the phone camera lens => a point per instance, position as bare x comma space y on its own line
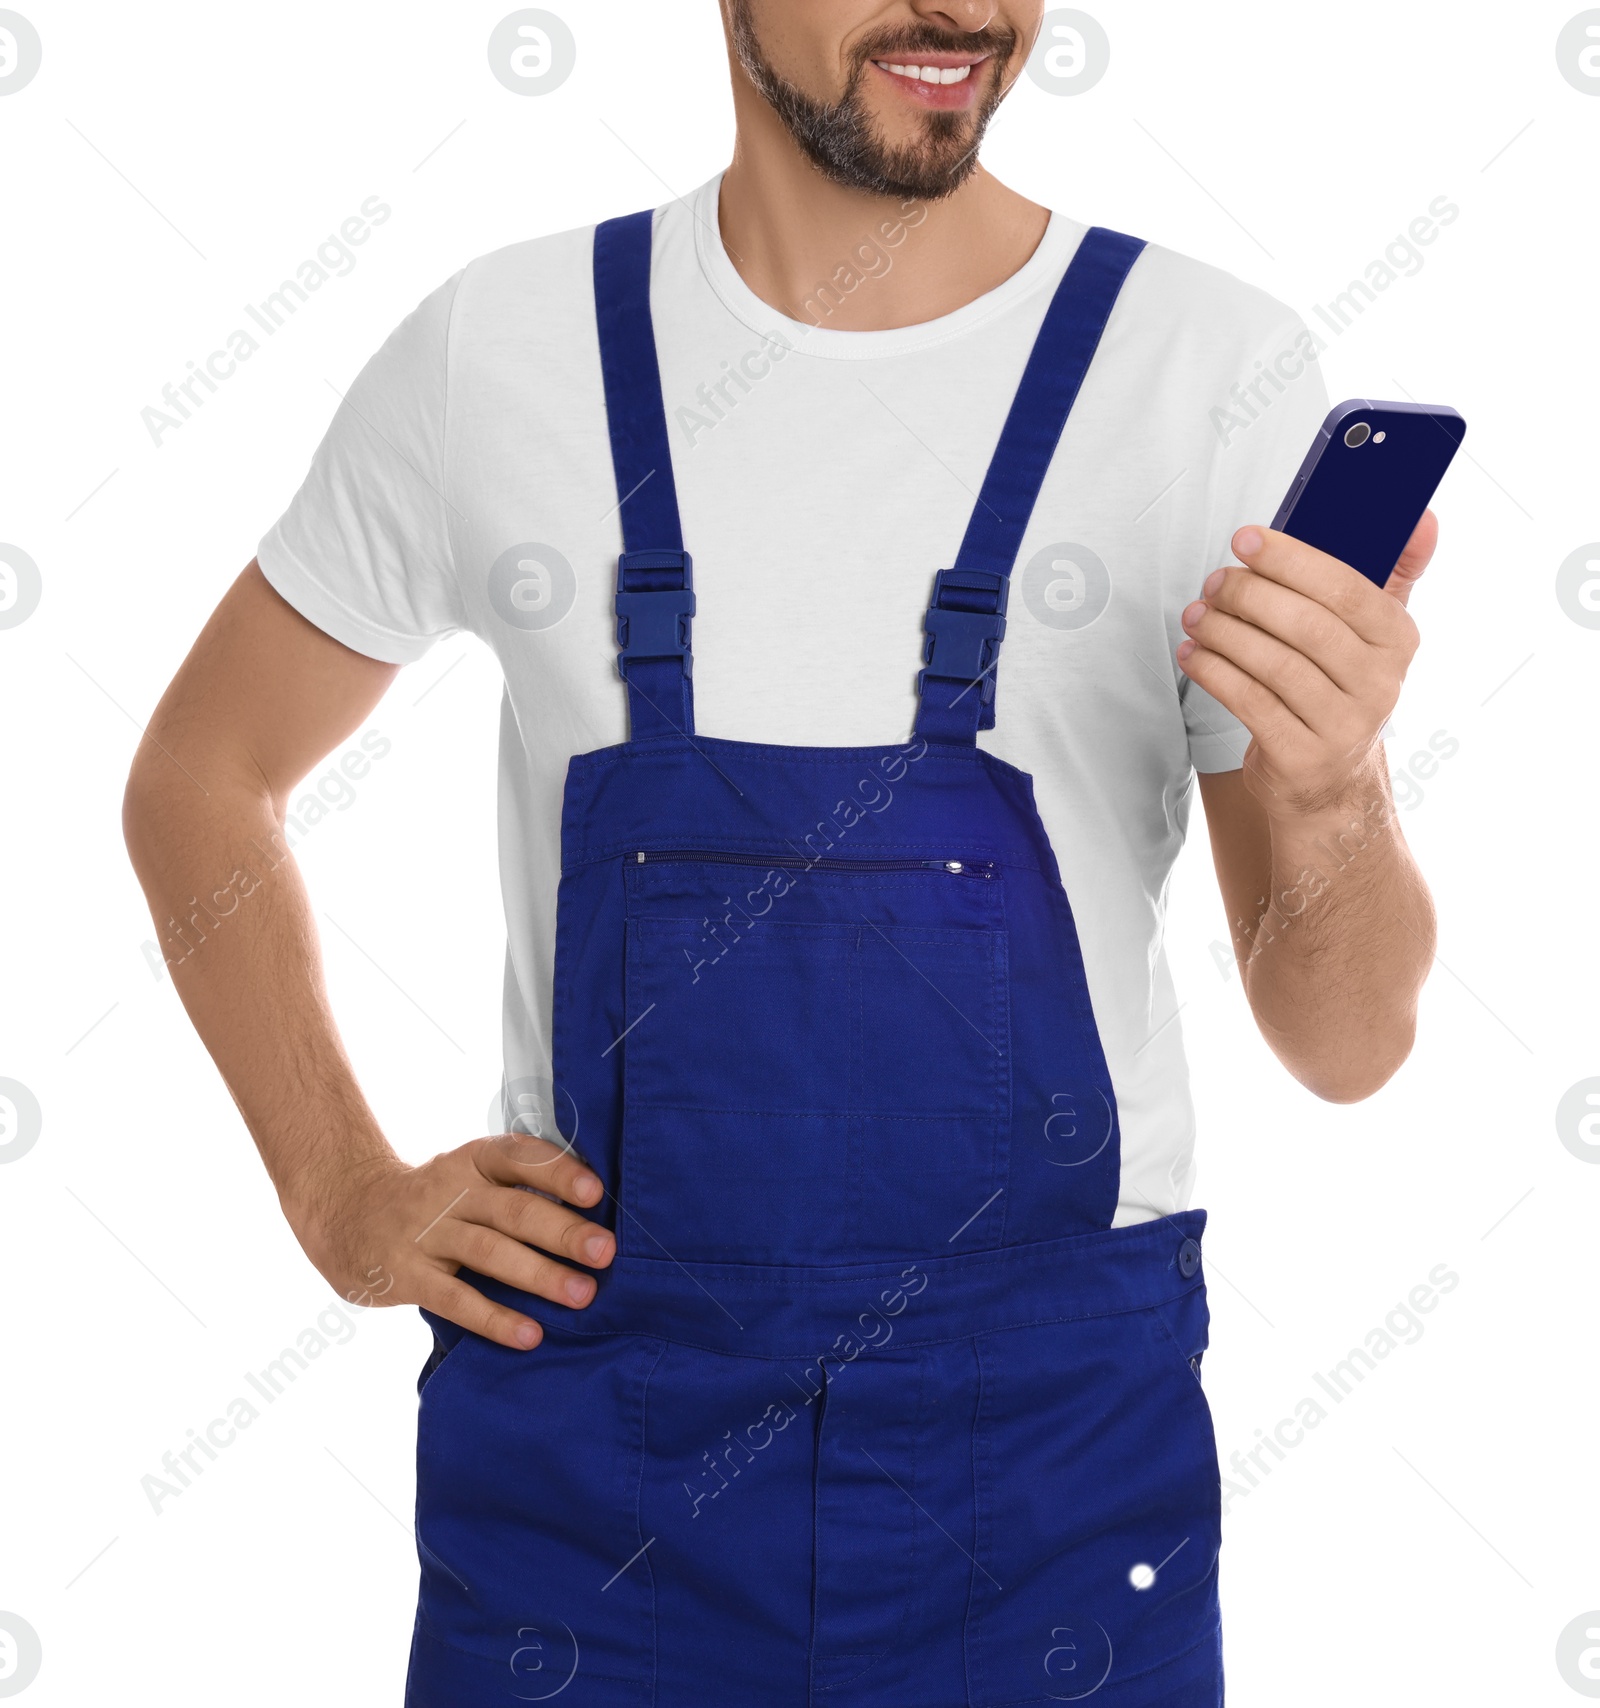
1357, 435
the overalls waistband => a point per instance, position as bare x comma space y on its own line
787, 1311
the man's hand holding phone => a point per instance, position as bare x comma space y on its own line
1310, 656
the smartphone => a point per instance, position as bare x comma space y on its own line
1367, 479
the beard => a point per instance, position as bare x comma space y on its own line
839, 137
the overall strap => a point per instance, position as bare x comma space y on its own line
655, 585
967, 615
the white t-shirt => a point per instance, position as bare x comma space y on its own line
823, 476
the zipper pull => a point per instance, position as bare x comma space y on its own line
639, 857
963, 868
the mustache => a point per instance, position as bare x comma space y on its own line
903, 43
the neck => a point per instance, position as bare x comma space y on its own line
856, 262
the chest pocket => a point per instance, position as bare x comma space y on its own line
819, 1071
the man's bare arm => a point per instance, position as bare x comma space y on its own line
1331, 921
1333, 930
262, 697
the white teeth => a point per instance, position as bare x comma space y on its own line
927, 73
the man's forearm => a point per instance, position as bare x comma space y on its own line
237, 932
264, 696
1336, 959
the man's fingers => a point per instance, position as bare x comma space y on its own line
491, 1253
1292, 675
1290, 618
1251, 702
536, 1221
1420, 547
1342, 590
516, 1159
1414, 559
468, 1308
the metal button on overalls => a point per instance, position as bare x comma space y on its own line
875, 1407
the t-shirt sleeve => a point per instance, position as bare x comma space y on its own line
1256, 457
363, 551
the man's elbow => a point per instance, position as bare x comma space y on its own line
1352, 1078
164, 800
139, 795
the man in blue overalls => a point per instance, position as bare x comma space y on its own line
826, 1324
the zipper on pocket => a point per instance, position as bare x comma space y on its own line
957, 868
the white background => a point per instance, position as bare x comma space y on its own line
1433, 1537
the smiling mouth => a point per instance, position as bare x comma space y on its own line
934, 75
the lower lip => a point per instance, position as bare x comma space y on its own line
936, 97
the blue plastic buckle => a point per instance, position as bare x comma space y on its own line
964, 624
655, 600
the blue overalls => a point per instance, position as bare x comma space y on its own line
874, 1407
